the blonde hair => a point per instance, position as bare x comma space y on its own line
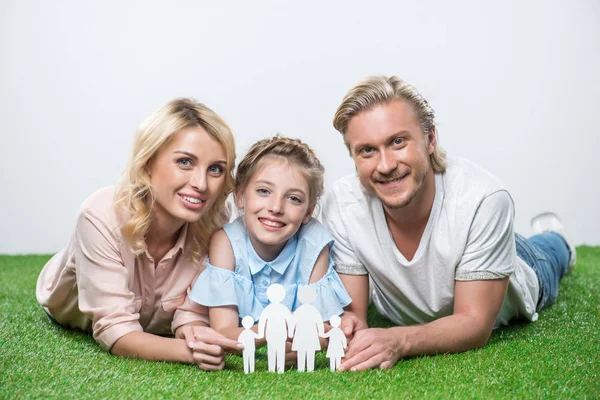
377, 90
134, 194
293, 151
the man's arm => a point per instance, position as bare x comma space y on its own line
476, 306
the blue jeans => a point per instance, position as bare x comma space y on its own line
548, 254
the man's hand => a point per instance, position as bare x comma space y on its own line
372, 348
208, 346
351, 324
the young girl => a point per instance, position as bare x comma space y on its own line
274, 241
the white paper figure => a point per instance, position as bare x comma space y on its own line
247, 338
278, 321
308, 326
337, 343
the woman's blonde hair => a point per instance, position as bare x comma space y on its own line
377, 90
134, 194
293, 151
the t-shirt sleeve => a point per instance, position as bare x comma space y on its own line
490, 251
344, 258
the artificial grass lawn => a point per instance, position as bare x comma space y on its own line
558, 356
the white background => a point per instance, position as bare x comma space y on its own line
514, 83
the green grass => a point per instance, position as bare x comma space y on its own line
558, 356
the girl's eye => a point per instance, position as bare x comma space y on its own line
295, 199
185, 162
262, 192
216, 170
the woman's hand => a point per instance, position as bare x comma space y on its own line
208, 346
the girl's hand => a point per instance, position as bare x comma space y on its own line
351, 324
291, 357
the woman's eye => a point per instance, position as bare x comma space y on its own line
185, 162
216, 170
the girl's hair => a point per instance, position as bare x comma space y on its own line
376, 90
134, 194
293, 151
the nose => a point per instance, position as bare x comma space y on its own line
198, 180
386, 163
276, 205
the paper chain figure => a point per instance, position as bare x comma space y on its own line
305, 325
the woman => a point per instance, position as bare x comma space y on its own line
137, 248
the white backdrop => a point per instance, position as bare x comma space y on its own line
515, 86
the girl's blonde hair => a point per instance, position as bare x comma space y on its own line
134, 194
377, 90
293, 151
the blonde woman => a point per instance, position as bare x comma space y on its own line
137, 248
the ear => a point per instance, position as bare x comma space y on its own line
308, 215
239, 199
431, 140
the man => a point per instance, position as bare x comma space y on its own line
433, 236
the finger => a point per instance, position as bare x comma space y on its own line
188, 336
347, 325
211, 349
211, 336
357, 344
211, 367
370, 363
357, 359
203, 358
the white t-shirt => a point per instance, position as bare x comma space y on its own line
469, 236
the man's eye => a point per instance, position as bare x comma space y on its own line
185, 162
398, 141
367, 150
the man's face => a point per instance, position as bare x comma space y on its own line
391, 152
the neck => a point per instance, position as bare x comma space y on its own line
162, 235
414, 216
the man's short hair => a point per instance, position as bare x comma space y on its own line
377, 90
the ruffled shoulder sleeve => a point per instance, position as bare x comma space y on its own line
220, 287
332, 296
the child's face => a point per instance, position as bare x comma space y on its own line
276, 204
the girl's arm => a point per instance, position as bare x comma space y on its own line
321, 266
225, 319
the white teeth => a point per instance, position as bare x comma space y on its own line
272, 223
192, 199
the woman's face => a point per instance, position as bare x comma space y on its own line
187, 176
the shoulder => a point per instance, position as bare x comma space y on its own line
220, 252
99, 208
345, 190
314, 233
466, 182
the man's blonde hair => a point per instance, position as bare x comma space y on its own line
134, 194
377, 90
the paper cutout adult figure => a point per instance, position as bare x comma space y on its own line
308, 326
247, 338
337, 343
275, 324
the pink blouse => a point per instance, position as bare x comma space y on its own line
97, 284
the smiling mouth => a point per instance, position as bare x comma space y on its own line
193, 200
391, 181
271, 224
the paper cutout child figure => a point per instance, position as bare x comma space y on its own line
279, 323
337, 343
247, 338
308, 326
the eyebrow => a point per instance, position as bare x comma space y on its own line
194, 157
269, 183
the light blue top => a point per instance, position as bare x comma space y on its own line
246, 287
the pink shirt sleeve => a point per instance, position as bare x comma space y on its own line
103, 279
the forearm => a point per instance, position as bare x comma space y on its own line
152, 348
452, 334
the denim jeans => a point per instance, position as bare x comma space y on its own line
548, 254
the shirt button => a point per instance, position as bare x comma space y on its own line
265, 282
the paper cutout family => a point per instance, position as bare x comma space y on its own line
305, 326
